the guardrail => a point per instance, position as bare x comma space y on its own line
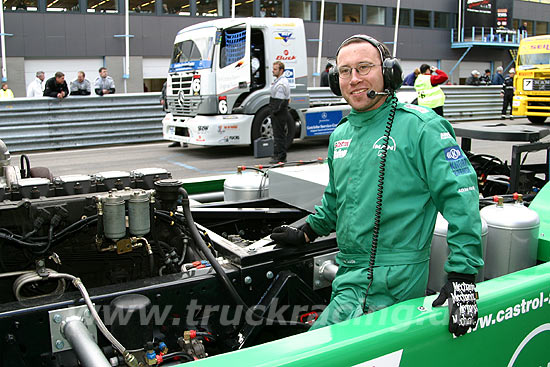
46, 123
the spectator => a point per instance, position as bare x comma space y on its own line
104, 84
262, 12
280, 117
473, 79
411, 78
507, 93
36, 87
5, 92
56, 87
427, 87
523, 29
498, 78
324, 75
81, 86
486, 78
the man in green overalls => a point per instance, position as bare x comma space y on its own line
425, 172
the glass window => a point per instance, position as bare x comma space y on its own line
179, 7
271, 8
208, 8
331, 12
421, 18
102, 6
376, 15
515, 23
404, 16
142, 6
351, 13
20, 5
62, 5
300, 9
243, 8
529, 25
442, 20
542, 28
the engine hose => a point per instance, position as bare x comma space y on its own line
25, 173
379, 194
222, 276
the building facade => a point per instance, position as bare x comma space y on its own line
73, 35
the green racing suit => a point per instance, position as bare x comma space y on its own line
425, 172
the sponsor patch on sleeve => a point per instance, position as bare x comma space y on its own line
415, 107
457, 161
446, 136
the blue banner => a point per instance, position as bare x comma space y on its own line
190, 65
322, 123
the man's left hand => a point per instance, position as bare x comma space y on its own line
461, 295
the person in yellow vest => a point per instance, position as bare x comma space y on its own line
428, 89
5, 92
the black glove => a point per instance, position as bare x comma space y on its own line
293, 236
461, 295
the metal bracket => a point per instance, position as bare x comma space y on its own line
319, 265
58, 318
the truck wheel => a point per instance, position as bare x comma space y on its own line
536, 119
261, 126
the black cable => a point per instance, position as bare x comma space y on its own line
222, 276
25, 173
379, 195
173, 355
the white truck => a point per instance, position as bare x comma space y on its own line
220, 76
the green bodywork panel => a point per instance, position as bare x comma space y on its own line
200, 186
513, 330
541, 205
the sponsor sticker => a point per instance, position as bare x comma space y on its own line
457, 161
446, 136
415, 107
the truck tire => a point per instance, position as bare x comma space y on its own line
536, 119
261, 125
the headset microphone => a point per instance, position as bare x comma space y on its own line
372, 93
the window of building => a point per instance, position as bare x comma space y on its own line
515, 23
300, 9
376, 15
243, 8
21, 5
102, 6
331, 12
142, 6
529, 25
421, 18
541, 28
62, 5
404, 16
442, 20
209, 8
271, 8
179, 7
351, 13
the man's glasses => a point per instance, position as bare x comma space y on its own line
363, 68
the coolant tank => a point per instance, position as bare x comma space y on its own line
246, 185
138, 213
33, 188
114, 216
74, 184
440, 252
512, 238
113, 179
146, 177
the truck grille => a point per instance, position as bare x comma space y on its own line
188, 106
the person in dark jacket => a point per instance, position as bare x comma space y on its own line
473, 79
324, 75
56, 87
411, 78
498, 78
507, 93
486, 78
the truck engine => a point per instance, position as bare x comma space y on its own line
126, 268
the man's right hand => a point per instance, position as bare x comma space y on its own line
293, 236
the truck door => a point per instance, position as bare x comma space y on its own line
233, 66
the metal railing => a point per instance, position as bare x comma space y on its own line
46, 123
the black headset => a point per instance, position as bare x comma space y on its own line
391, 70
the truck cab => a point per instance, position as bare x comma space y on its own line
220, 76
532, 80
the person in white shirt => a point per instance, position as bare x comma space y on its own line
36, 87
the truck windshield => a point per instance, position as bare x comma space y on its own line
534, 59
192, 54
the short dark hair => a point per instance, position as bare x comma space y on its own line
487, 71
102, 68
423, 68
59, 74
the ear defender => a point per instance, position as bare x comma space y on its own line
391, 69
334, 81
